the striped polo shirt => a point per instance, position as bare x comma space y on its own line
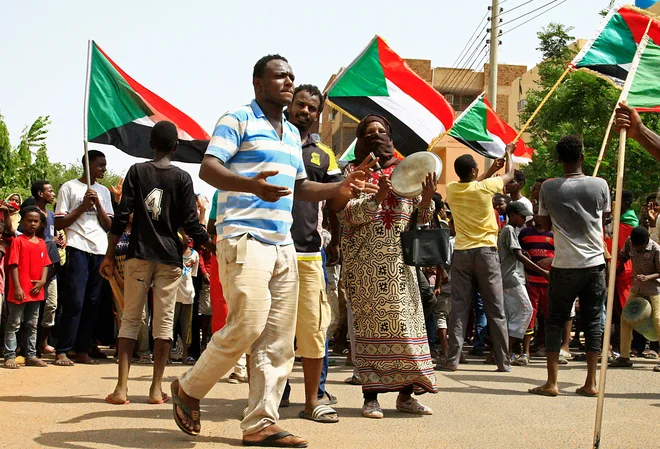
246, 143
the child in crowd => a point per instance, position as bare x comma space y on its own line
185, 297
500, 202
539, 245
516, 302
645, 256
28, 272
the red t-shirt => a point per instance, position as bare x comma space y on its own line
30, 258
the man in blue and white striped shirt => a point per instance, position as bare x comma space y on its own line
256, 257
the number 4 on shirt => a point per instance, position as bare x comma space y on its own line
153, 201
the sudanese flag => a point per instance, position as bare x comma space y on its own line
121, 112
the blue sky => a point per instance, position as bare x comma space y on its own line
199, 55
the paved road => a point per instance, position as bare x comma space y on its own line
63, 407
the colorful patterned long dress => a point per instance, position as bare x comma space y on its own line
392, 350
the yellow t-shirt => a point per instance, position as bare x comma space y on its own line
471, 205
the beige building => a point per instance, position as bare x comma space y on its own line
460, 88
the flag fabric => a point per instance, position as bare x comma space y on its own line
481, 129
645, 87
121, 112
610, 53
378, 81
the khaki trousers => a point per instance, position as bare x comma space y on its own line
260, 284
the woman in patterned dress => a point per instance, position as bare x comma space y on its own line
392, 350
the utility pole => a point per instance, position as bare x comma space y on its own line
495, 20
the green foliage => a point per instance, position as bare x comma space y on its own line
582, 106
28, 161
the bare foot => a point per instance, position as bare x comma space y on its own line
62, 360
118, 397
192, 403
545, 390
85, 359
272, 430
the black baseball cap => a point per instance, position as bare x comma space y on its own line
517, 207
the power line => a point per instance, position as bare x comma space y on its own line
529, 20
474, 75
466, 62
513, 9
471, 70
461, 57
529, 12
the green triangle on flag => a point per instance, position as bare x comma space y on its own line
364, 77
472, 124
610, 53
112, 101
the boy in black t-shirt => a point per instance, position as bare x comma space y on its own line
161, 198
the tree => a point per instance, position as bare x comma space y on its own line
582, 106
28, 161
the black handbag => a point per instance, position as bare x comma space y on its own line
423, 247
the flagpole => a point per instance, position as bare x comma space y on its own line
538, 108
86, 109
615, 243
606, 140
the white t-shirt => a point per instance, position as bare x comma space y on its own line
86, 233
186, 292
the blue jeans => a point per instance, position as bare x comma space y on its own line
28, 312
81, 303
480, 323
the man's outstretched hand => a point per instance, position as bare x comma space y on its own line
264, 190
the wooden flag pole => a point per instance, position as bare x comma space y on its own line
86, 109
615, 244
606, 140
538, 108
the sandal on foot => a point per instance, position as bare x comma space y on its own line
371, 409
109, 400
273, 441
10, 364
656, 368
541, 392
165, 399
320, 414
329, 399
66, 361
34, 361
582, 392
144, 360
620, 362
353, 380
412, 405
520, 361
650, 354
192, 414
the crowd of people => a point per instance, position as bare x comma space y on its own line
291, 238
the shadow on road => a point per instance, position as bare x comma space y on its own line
130, 438
54, 399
